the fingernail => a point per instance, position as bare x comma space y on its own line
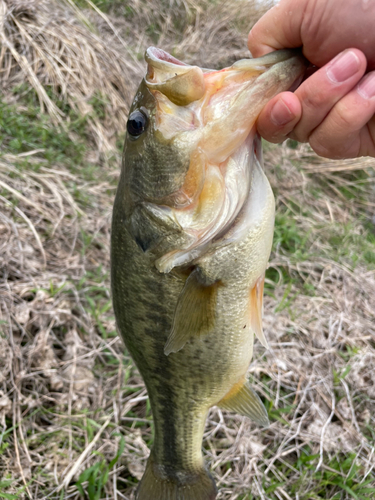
343, 66
366, 88
281, 114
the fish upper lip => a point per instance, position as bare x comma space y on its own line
154, 54
180, 82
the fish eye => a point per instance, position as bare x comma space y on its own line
137, 123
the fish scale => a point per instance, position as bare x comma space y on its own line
187, 269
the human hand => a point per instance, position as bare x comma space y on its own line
334, 108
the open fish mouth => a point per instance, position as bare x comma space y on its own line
214, 114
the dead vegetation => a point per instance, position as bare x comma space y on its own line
83, 55
70, 399
57, 50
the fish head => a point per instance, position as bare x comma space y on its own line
190, 137
159, 145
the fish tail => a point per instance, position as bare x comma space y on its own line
156, 485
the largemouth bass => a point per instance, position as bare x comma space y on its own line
191, 237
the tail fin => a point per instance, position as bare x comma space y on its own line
155, 485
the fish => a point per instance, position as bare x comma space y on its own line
191, 237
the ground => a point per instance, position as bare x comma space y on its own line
74, 414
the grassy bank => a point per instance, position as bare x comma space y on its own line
74, 415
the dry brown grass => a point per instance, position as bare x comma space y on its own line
56, 47
82, 55
66, 388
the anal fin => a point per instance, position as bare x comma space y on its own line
195, 313
243, 400
256, 310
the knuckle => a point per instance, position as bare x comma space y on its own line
333, 147
295, 136
313, 96
313, 19
300, 133
321, 150
344, 117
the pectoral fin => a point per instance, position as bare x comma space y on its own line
195, 313
256, 310
243, 400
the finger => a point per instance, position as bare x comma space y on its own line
279, 117
319, 26
349, 129
319, 93
277, 29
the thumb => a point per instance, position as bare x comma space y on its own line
279, 28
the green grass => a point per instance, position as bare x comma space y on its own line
341, 475
350, 244
24, 128
7, 483
338, 479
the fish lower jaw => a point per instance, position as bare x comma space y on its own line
225, 192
